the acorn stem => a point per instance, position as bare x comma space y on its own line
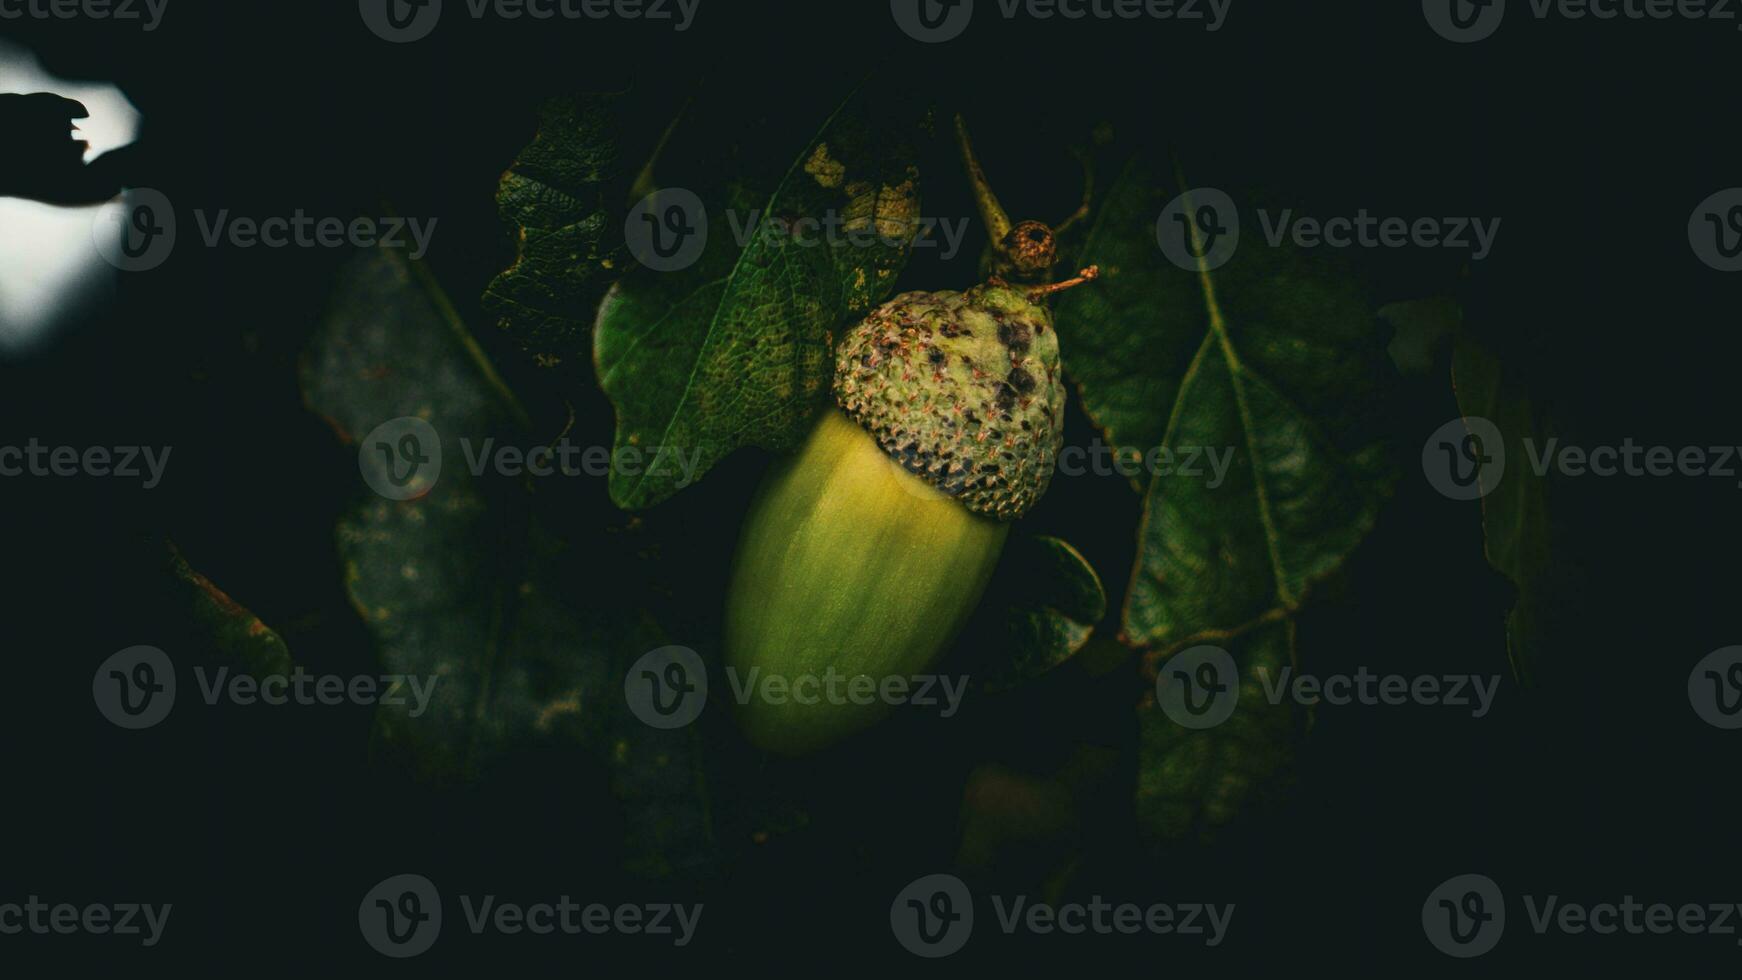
997, 221
1039, 293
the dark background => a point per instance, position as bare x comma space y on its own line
1591, 140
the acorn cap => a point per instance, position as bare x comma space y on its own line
963, 390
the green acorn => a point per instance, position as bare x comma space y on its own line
866, 552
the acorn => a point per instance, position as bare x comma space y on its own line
866, 552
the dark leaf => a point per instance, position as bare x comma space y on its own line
234, 632
563, 200
1048, 600
1191, 783
459, 582
1514, 513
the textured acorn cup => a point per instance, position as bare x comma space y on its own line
866, 552
962, 389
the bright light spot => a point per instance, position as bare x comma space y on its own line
47, 252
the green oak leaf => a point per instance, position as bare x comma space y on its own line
563, 199
735, 350
1515, 513
1194, 782
1276, 357
1046, 599
1277, 360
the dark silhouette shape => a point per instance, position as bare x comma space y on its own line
41, 158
